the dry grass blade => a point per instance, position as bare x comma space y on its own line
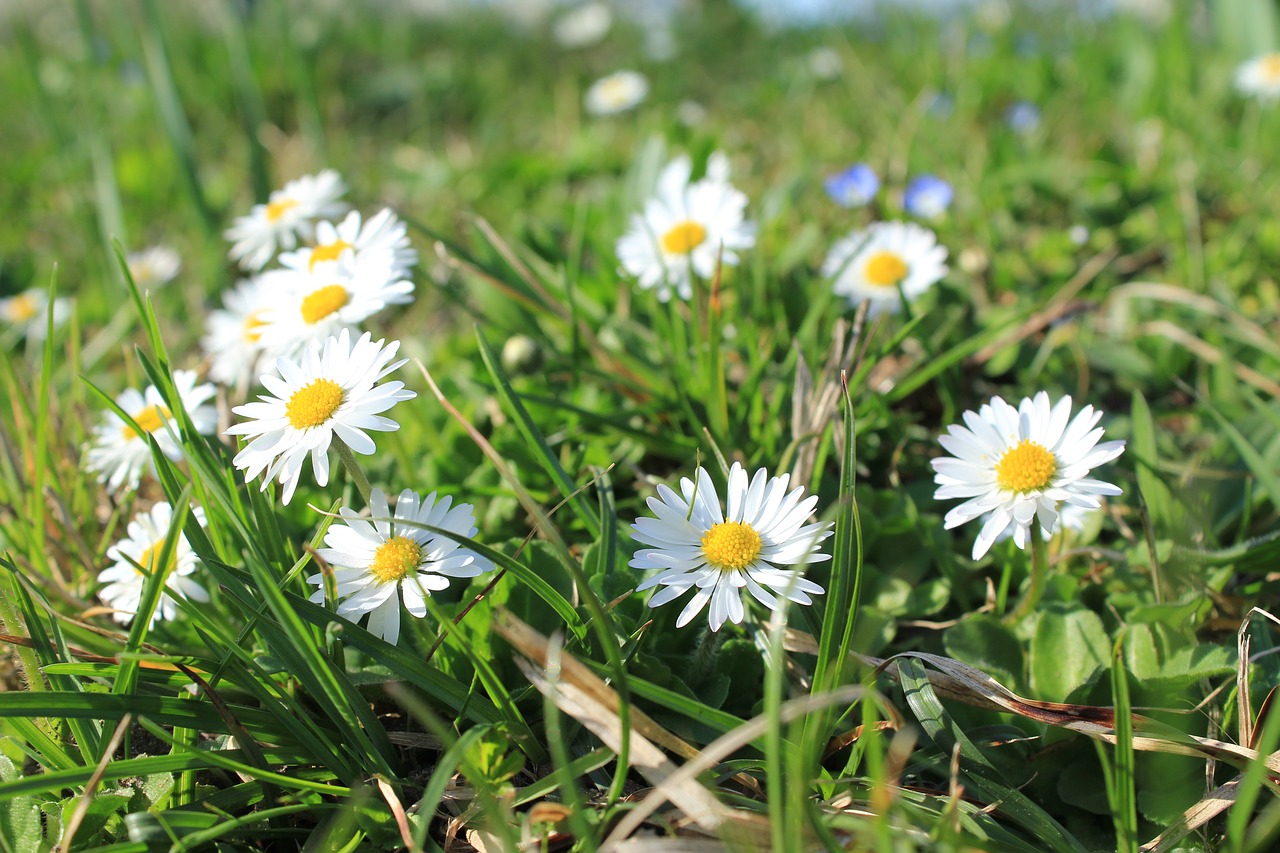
91, 788
956, 680
1218, 801
720, 749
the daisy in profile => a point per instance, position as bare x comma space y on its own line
233, 336
154, 267
1021, 464
927, 196
333, 390
686, 228
752, 546
143, 546
1260, 77
28, 312
310, 307
382, 559
287, 215
883, 263
616, 93
379, 243
118, 453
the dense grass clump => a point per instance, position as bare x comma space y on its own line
630, 427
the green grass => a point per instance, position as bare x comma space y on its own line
546, 700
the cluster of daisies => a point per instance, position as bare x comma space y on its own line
327, 387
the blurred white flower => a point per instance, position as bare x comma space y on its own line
154, 267
883, 263
825, 63
290, 213
616, 93
233, 339
28, 312
1260, 77
583, 26
379, 243
686, 228
144, 544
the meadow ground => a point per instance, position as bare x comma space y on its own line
852, 437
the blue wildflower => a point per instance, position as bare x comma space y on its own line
927, 196
1022, 117
854, 187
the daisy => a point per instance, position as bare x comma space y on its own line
233, 340
854, 187
118, 453
1023, 463
143, 546
1260, 77
1070, 517
380, 559
695, 546
29, 312
332, 390
927, 197
154, 267
686, 228
380, 242
884, 263
287, 216
616, 93
313, 306
583, 25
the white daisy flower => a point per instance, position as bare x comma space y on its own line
380, 242
331, 391
1023, 463
118, 453
143, 544
233, 341
694, 545
380, 559
288, 215
1070, 517
870, 265
154, 267
29, 312
583, 26
616, 93
685, 228
314, 306
1260, 77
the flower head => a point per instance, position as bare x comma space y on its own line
378, 244
583, 26
854, 187
378, 560
883, 263
927, 196
1260, 77
616, 93
332, 390
1022, 117
1021, 464
29, 312
154, 267
287, 215
118, 453
233, 340
686, 228
695, 545
144, 545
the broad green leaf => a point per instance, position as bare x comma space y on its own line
1069, 648
989, 644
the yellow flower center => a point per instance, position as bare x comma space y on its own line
277, 209
1271, 67
150, 419
395, 558
328, 252
886, 269
316, 306
731, 545
22, 308
313, 404
252, 326
1026, 467
151, 557
683, 238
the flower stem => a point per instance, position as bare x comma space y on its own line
1039, 574
353, 467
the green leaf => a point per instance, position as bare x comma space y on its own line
989, 644
21, 830
102, 808
1068, 650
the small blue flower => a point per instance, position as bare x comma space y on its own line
854, 187
927, 196
1022, 117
